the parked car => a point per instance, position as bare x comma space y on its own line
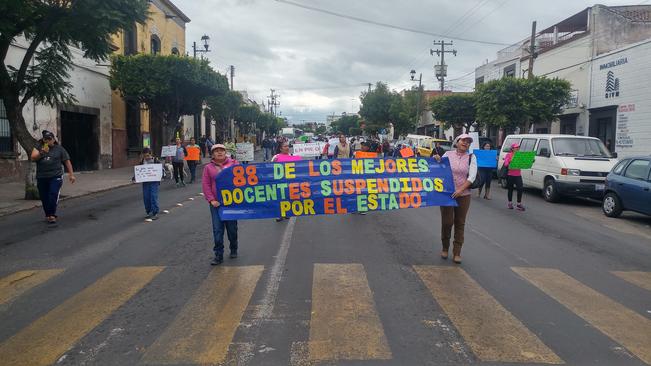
565, 165
628, 187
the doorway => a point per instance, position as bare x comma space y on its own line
80, 137
603, 125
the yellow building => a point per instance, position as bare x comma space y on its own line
163, 33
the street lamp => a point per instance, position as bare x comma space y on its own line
206, 40
420, 93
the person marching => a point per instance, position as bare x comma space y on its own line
513, 179
464, 172
437, 150
343, 150
192, 164
281, 154
365, 152
149, 189
177, 162
50, 158
218, 163
486, 177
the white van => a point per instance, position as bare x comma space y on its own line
565, 164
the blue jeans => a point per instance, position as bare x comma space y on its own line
48, 191
267, 154
192, 164
150, 196
218, 232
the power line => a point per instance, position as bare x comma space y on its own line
386, 25
467, 15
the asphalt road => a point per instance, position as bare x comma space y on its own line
559, 283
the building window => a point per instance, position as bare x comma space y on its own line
130, 41
6, 143
509, 71
175, 51
155, 45
133, 125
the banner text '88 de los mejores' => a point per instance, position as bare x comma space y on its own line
325, 187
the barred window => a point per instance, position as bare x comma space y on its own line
6, 143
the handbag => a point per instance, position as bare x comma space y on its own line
478, 181
503, 172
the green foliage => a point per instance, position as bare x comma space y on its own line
511, 102
247, 116
321, 129
455, 110
379, 107
345, 124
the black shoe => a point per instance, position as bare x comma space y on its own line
217, 261
233, 255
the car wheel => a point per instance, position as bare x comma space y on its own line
612, 205
550, 194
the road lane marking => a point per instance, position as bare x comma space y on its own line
623, 325
16, 284
344, 324
638, 278
47, 338
206, 325
490, 330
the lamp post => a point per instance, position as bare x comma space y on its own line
420, 93
206, 40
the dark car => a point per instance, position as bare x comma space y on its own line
628, 187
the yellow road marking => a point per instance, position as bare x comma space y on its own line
206, 325
20, 282
490, 330
47, 338
641, 279
344, 324
625, 326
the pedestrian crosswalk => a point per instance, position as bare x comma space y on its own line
344, 322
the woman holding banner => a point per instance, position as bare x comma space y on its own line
218, 163
282, 155
464, 172
513, 179
486, 177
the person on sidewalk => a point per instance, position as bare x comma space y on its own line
464, 172
486, 177
177, 162
50, 158
218, 163
513, 179
149, 189
193, 160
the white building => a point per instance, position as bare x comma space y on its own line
568, 50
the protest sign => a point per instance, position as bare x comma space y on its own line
148, 173
327, 187
194, 153
522, 160
244, 151
486, 158
475, 141
169, 150
308, 150
365, 155
406, 152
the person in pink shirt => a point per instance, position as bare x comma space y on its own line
282, 155
513, 179
464, 172
218, 163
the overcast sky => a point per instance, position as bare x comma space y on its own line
320, 63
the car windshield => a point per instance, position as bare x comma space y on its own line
579, 147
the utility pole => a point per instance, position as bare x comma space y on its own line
532, 49
441, 69
369, 87
273, 102
420, 94
232, 74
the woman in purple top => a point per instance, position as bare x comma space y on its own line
464, 172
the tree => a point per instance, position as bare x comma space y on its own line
456, 110
376, 108
345, 124
409, 112
321, 129
247, 117
222, 109
50, 28
171, 86
509, 102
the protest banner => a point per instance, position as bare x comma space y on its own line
327, 187
522, 160
148, 173
169, 150
244, 151
194, 153
308, 150
486, 158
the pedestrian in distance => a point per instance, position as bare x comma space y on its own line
177, 162
513, 180
192, 164
149, 189
343, 150
209, 143
202, 145
464, 172
50, 157
437, 150
486, 177
219, 161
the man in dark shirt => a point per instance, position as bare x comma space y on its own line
50, 158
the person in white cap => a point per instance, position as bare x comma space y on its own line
464, 172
